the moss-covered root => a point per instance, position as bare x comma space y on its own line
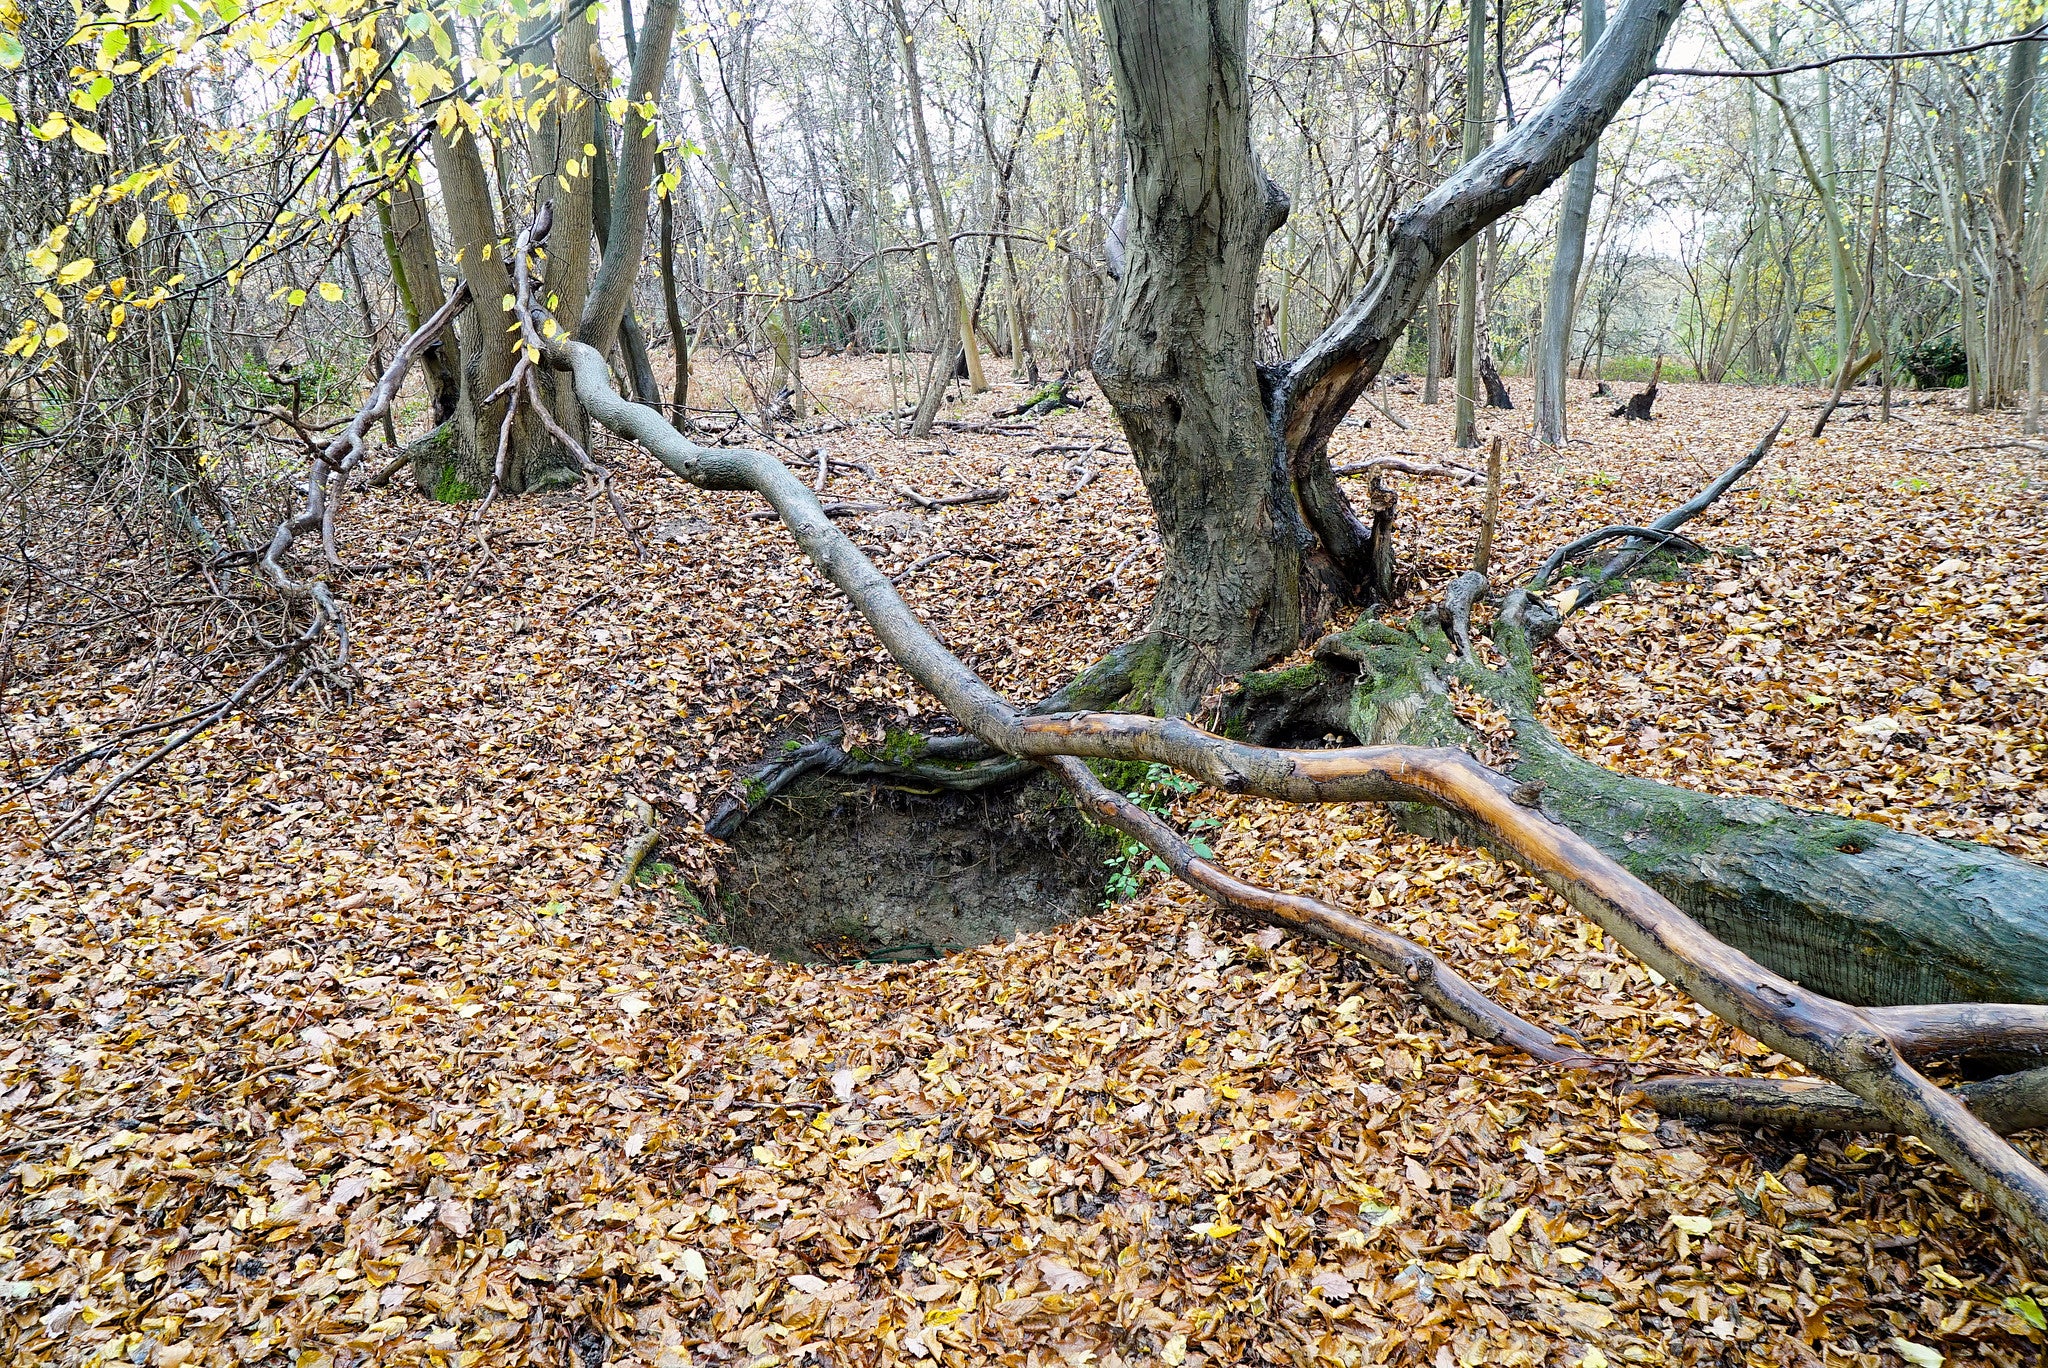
1852, 909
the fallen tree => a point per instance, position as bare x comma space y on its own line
1870, 1055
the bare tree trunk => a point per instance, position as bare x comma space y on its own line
409, 245
2011, 307
679, 399
1561, 298
941, 224
568, 179
1260, 542
1466, 432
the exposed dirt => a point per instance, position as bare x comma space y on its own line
832, 872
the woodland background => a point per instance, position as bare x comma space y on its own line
329, 1040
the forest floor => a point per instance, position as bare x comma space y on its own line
326, 1046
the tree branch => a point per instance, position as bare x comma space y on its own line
1909, 55
1320, 386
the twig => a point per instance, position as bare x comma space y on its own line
629, 863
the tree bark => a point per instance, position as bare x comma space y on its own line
1260, 543
409, 244
2011, 346
1465, 431
1561, 299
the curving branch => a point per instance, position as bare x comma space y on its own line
1556, 559
1432, 980
1318, 389
331, 466
1421, 470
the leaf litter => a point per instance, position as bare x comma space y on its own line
326, 1049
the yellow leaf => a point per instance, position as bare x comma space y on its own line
179, 203
138, 230
330, 292
75, 271
1693, 1225
55, 334
89, 140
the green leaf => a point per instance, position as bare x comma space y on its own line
301, 107
2028, 1310
228, 10
416, 23
11, 53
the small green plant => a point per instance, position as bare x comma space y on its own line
1913, 484
1600, 479
1156, 789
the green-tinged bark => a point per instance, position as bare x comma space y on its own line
1852, 909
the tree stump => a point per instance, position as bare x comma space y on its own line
1496, 388
1637, 409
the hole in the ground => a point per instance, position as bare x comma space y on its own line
830, 872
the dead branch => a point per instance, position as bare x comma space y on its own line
1431, 979
1642, 541
333, 463
1425, 471
1556, 560
1084, 475
2007, 1104
1489, 516
649, 837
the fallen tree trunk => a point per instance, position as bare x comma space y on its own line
1853, 909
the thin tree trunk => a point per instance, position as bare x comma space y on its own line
2015, 126
1561, 298
941, 224
1466, 433
679, 341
